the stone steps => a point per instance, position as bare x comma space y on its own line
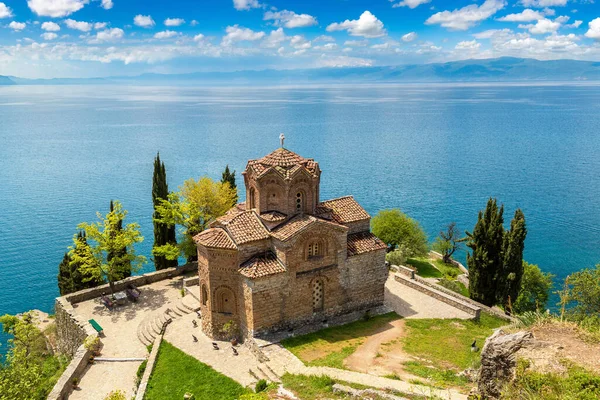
151, 326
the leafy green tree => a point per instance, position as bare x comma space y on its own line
193, 208
485, 261
106, 259
535, 289
70, 277
163, 233
583, 293
396, 229
448, 242
396, 257
229, 177
510, 276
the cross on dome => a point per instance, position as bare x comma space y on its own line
281, 138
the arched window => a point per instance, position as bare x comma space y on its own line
299, 201
225, 301
204, 295
316, 248
318, 295
252, 198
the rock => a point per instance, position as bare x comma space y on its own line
470, 374
498, 361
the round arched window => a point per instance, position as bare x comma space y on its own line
299, 201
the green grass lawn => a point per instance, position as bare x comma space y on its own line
446, 343
448, 270
176, 373
329, 347
424, 268
455, 286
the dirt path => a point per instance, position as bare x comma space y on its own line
382, 353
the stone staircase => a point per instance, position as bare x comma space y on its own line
151, 326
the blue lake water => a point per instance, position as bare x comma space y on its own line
436, 152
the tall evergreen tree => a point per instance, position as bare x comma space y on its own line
125, 266
163, 233
511, 274
70, 277
486, 258
65, 281
229, 177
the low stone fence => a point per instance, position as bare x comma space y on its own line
422, 287
141, 390
75, 369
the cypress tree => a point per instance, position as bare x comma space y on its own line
70, 278
163, 233
486, 258
125, 267
229, 177
65, 281
511, 274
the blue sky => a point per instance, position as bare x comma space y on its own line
86, 38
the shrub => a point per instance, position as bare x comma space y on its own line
261, 385
92, 343
116, 395
396, 257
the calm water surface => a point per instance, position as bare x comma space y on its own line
436, 152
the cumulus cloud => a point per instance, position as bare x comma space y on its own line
543, 3
575, 24
17, 26
199, 37
524, 16
145, 21
5, 11
244, 5
409, 37
165, 34
109, 35
299, 42
466, 17
79, 25
367, 25
49, 36
594, 29
324, 38
290, 19
468, 45
100, 25
356, 43
326, 47
275, 38
343, 61
50, 26
542, 26
237, 34
174, 21
107, 4
411, 3
55, 8
492, 33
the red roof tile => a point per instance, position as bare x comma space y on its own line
246, 227
215, 237
343, 210
261, 265
363, 242
293, 226
285, 162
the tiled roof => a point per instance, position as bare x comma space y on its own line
273, 216
284, 161
293, 226
261, 265
246, 227
363, 242
343, 210
215, 237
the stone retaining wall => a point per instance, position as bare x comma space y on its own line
75, 369
439, 295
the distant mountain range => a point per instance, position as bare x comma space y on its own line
505, 69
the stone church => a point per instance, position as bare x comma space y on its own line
284, 258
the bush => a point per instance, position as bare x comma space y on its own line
455, 286
92, 343
396, 257
261, 385
116, 395
397, 230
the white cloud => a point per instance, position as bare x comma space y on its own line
78, 25
55, 8
50, 26
174, 21
356, 43
543, 26
543, 3
100, 25
326, 47
492, 33
237, 34
575, 24
366, 26
466, 17
109, 35
145, 21
165, 34
199, 37
275, 38
17, 26
245, 4
468, 45
5, 11
411, 3
299, 42
194, 22
290, 19
524, 16
594, 29
107, 4
49, 36
343, 61
409, 37
324, 38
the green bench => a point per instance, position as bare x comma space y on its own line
96, 325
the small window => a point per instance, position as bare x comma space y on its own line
299, 201
315, 249
204, 295
318, 295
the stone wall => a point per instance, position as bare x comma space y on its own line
75, 369
71, 330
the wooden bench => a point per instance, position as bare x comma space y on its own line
96, 326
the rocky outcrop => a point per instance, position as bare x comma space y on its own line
498, 361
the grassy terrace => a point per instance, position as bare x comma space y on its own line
176, 373
329, 347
